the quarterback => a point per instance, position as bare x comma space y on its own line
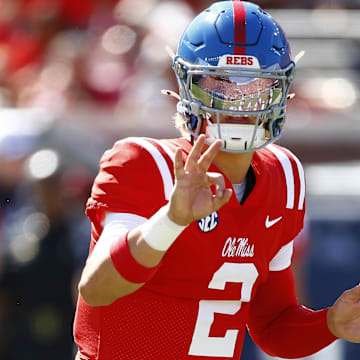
192, 237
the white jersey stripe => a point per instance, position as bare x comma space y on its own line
302, 181
288, 172
160, 162
282, 260
126, 220
168, 151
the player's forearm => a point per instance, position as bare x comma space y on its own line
101, 283
280, 326
297, 332
122, 261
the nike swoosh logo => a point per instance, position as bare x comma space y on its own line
269, 223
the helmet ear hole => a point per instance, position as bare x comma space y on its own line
192, 121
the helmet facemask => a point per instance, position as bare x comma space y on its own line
243, 107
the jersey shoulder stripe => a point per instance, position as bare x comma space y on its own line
288, 173
166, 152
301, 174
294, 176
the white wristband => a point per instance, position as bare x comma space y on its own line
159, 231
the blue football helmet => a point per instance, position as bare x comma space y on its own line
234, 70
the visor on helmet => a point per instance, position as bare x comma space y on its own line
236, 93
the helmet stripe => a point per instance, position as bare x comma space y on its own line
239, 27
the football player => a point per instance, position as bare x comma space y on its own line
192, 237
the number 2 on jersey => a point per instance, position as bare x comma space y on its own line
204, 345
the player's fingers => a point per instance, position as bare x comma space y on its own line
222, 194
178, 164
208, 156
354, 293
218, 180
195, 153
221, 199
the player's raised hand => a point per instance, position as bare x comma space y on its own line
344, 316
192, 198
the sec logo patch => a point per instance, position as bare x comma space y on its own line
209, 223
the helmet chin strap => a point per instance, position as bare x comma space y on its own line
236, 136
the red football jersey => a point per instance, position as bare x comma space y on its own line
197, 304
